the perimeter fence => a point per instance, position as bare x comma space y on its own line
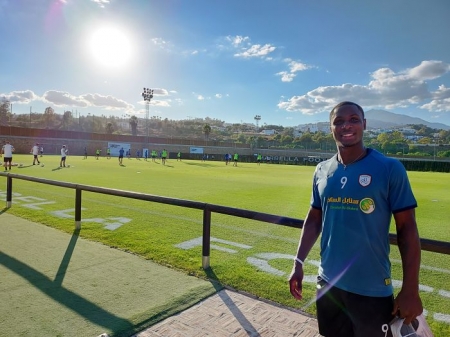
435, 246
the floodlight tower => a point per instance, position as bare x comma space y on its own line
257, 119
147, 94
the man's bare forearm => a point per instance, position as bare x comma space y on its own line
312, 228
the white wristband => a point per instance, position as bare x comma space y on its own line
299, 261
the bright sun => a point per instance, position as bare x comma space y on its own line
110, 46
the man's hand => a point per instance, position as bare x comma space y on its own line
295, 281
407, 306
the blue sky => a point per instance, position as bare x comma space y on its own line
288, 61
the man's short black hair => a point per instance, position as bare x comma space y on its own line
346, 103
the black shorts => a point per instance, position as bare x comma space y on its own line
35, 156
7, 159
344, 314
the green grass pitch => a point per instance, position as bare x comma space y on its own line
248, 255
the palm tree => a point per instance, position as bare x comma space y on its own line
109, 128
133, 125
206, 130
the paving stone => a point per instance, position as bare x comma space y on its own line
232, 314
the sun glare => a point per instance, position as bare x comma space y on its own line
110, 46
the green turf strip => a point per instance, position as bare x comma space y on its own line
57, 284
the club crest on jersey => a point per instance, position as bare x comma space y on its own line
365, 180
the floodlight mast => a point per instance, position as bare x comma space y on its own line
257, 119
147, 94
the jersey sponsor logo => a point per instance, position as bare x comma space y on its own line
365, 180
367, 205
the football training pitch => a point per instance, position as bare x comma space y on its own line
247, 255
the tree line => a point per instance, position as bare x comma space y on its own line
428, 141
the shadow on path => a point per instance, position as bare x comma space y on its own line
53, 289
237, 313
66, 258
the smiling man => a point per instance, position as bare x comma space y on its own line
355, 194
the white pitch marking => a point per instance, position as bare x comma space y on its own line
444, 293
223, 249
423, 266
441, 317
264, 266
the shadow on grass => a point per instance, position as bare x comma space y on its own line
58, 168
234, 309
199, 164
53, 289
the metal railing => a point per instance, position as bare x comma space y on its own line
426, 244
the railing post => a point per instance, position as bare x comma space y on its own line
206, 246
8, 192
77, 208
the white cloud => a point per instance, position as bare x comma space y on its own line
387, 89
65, 99
294, 67
429, 70
442, 93
218, 95
106, 102
161, 44
256, 50
160, 103
237, 40
20, 97
200, 97
285, 76
246, 49
169, 47
440, 101
61, 99
160, 92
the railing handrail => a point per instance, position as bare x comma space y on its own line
426, 244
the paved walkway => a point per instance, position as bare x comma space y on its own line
232, 314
